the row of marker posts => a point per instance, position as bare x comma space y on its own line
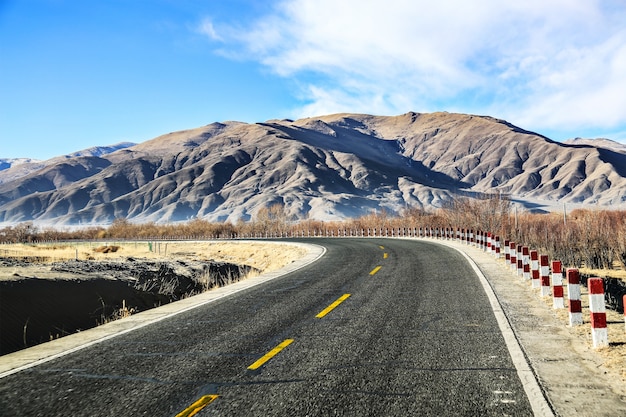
530, 265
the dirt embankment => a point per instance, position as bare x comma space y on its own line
40, 301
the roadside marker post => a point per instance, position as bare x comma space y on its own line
597, 309
513, 256
526, 262
573, 293
544, 271
534, 268
507, 251
498, 248
557, 285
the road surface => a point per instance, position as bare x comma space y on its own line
377, 327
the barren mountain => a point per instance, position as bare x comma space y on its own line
328, 167
12, 169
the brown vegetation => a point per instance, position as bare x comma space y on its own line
594, 239
107, 249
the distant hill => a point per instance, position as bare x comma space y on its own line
600, 143
6, 163
328, 167
12, 169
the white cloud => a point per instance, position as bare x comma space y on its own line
207, 28
546, 63
579, 87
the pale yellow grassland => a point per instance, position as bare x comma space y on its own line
265, 257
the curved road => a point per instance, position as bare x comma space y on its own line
376, 327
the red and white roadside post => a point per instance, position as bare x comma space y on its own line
599, 333
507, 252
557, 285
498, 249
513, 256
520, 261
573, 293
534, 269
544, 271
526, 262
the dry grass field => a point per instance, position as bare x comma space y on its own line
262, 256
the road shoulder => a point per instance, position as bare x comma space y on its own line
569, 371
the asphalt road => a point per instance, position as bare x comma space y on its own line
416, 336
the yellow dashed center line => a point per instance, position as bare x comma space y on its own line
195, 408
205, 400
375, 270
269, 355
332, 306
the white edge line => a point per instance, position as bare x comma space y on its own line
315, 252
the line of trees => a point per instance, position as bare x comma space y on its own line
586, 238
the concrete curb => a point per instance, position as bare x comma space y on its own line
27, 358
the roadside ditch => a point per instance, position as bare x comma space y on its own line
81, 294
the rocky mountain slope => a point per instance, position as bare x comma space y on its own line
327, 167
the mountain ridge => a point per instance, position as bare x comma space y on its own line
14, 168
327, 167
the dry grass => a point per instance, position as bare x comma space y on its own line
262, 256
617, 272
106, 249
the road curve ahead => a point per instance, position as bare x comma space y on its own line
377, 327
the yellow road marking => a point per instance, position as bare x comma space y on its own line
332, 306
375, 270
381, 246
269, 355
385, 255
195, 408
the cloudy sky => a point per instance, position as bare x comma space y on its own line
75, 74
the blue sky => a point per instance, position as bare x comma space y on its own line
75, 74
